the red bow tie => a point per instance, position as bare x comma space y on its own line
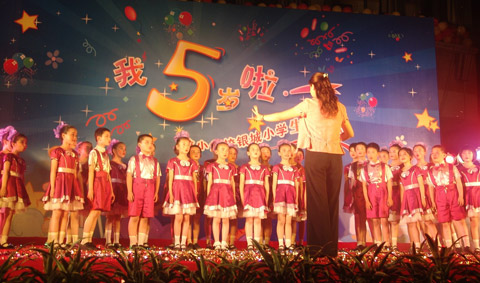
147, 157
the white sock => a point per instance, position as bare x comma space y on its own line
116, 238
394, 242
183, 240
74, 239
360, 244
69, 239
108, 237
217, 244
288, 242
417, 245
85, 237
177, 241
52, 237
377, 243
133, 240
476, 243
249, 241
466, 241
61, 237
224, 244
257, 239
141, 239
448, 243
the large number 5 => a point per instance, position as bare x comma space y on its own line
174, 110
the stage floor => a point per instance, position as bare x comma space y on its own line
32, 254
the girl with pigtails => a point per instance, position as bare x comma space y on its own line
64, 195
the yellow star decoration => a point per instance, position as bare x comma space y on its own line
255, 124
27, 21
173, 86
154, 138
425, 120
434, 126
407, 57
178, 129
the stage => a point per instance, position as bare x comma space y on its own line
32, 259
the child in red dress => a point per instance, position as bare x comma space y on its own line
301, 217
232, 158
100, 191
64, 195
347, 185
394, 213
195, 154
6, 148
377, 189
118, 175
14, 197
445, 184
266, 154
220, 203
358, 202
412, 193
470, 173
143, 181
181, 200
254, 189
427, 224
285, 194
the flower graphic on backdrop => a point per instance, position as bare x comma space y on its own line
54, 59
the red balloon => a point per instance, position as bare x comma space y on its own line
10, 66
304, 32
185, 18
130, 13
372, 102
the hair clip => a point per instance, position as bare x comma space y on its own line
325, 75
111, 145
181, 134
58, 129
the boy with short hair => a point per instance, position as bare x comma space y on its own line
445, 184
143, 181
377, 189
100, 190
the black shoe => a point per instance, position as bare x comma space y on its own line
359, 248
117, 246
190, 246
110, 246
177, 248
7, 246
146, 246
231, 247
90, 246
171, 246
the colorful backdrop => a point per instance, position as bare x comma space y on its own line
160, 66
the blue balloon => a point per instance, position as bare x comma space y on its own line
19, 57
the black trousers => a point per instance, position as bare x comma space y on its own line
324, 177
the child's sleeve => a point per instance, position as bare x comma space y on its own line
92, 158
131, 166
456, 173
242, 169
363, 178
170, 164
55, 154
159, 170
195, 166
275, 169
388, 173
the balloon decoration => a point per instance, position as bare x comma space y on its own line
366, 104
19, 68
130, 13
10, 66
185, 18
